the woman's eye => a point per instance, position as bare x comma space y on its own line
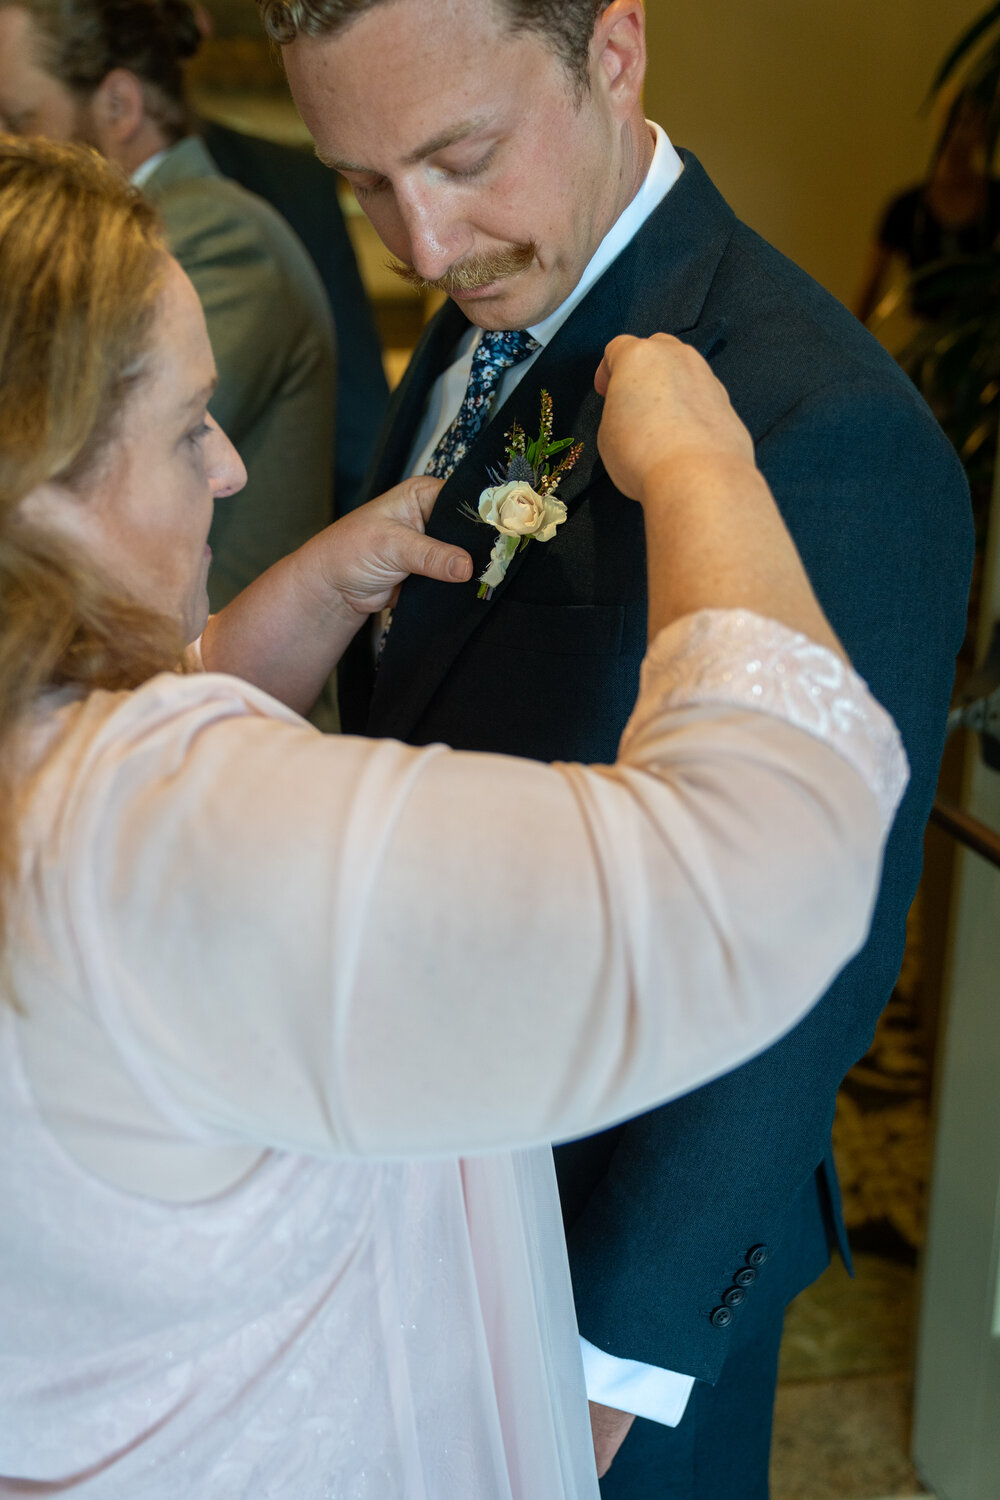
197, 433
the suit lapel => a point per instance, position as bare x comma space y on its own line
432, 621
658, 283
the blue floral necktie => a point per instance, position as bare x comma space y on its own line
495, 353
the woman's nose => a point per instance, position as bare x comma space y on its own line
226, 471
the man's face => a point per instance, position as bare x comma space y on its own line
468, 148
32, 102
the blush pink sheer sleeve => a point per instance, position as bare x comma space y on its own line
337, 945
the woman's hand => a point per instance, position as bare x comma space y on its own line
662, 405
366, 555
288, 629
714, 537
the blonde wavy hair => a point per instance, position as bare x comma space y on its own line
81, 263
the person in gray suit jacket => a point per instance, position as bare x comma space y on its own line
110, 72
303, 192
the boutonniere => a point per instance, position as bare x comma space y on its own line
521, 501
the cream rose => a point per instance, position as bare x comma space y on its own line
515, 509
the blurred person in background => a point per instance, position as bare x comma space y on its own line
300, 189
954, 213
110, 73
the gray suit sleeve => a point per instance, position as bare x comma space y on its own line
270, 328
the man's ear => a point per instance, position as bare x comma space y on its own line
117, 111
618, 54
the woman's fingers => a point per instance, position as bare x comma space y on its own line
408, 551
377, 546
661, 401
421, 490
406, 509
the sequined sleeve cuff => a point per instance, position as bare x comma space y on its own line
737, 658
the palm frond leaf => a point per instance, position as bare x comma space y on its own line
965, 44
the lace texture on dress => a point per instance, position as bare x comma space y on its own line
740, 658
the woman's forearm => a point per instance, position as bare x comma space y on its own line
715, 540
423, 951
286, 632
714, 537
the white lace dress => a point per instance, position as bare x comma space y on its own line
271, 983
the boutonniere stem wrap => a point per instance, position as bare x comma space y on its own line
521, 503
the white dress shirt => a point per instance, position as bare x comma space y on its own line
626, 1384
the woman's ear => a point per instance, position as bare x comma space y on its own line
53, 508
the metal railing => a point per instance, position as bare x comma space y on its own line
969, 831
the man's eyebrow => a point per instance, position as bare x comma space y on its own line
441, 142
447, 138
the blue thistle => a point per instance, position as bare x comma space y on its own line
519, 469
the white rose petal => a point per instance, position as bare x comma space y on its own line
554, 515
515, 509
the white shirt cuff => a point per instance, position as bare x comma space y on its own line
625, 1384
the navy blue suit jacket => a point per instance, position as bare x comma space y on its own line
666, 1213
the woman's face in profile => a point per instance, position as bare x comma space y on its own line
145, 513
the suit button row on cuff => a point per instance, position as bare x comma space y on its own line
745, 1276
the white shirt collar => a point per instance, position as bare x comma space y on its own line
664, 170
145, 169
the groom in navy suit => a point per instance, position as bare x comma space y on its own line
500, 149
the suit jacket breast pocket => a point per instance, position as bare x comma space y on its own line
554, 629
551, 682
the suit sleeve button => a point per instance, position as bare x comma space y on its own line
734, 1297
746, 1276
722, 1317
758, 1255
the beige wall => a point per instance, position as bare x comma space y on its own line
805, 112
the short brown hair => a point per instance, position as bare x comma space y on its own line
82, 41
567, 25
81, 263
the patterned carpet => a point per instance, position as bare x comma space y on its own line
881, 1133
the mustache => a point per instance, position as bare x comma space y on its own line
475, 271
